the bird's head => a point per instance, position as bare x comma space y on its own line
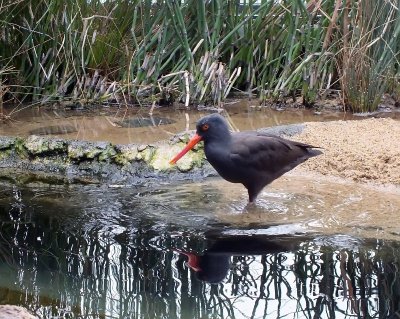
211, 268
210, 127
213, 126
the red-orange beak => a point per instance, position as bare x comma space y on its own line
193, 141
193, 260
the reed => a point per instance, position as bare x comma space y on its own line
369, 55
196, 51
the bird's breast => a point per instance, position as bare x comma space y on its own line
220, 159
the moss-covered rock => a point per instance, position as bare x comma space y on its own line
76, 151
7, 143
142, 147
193, 160
165, 152
108, 153
36, 145
125, 154
101, 161
162, 156
80, 151
145, 153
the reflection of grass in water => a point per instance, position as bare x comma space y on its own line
5, 253
136, 272
54, 130
96, 260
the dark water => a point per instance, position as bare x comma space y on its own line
121, 252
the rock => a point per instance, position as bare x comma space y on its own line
162, 156
284, 130
79, 151
7, 142
36, 145
15, 312
145, 154
101, 161
125, 154
142, 147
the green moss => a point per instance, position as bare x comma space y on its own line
4, 154
125, 154
36, 145
7, 145
75, 151
162, 156
107, 154
146, 154
57, 146
166, 152
92, 153
79, 151
195, 159
20, 149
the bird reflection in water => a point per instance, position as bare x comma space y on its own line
214, 264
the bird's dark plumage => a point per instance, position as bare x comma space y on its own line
251, 158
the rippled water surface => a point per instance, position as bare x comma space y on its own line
310, 248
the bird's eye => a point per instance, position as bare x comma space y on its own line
204, 127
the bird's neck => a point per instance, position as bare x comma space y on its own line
224, 140
218, 146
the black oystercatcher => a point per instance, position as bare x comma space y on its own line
252, 158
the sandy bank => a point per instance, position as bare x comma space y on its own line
365, 150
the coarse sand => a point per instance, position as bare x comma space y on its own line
362, 150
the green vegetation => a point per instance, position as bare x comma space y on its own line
131, 51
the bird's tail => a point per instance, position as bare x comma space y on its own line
314, 152
311, 149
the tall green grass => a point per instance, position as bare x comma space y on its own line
369, 55
93, 51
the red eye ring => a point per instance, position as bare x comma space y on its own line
204, 127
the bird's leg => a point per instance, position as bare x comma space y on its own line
252, 195
253, 191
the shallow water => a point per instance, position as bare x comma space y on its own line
134, 125
311, 248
